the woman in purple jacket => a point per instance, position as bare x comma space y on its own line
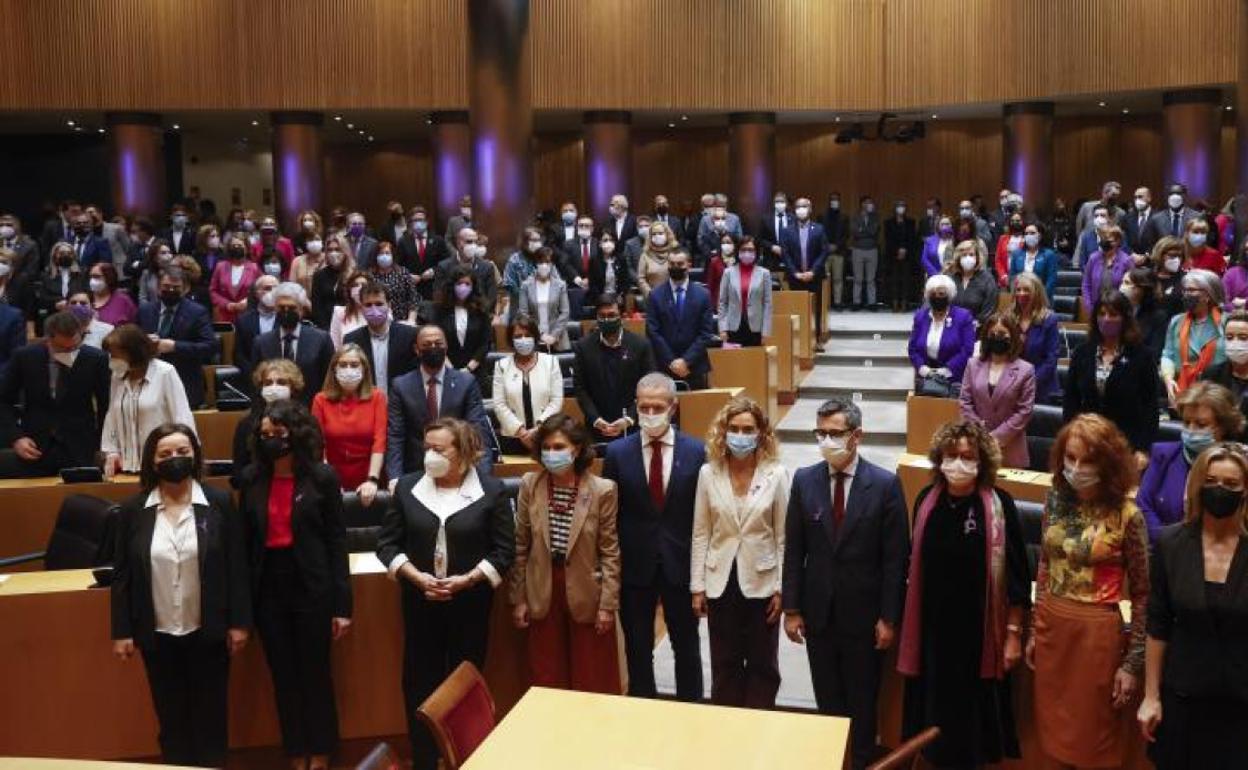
1210, 414
937, 248
1039, 327
943, 336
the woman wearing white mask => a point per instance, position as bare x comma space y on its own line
521, 265
1093, 550
311, 228
565, 583
609, 271
968, 590
745, 299
1197, 254
328, 282
349, 315
448, 538
111, 306
976, 289
652, 265
352, 414
277, 379
1233, 372
527, 385
400, 287
544, 297
1167, 261
310, 259
146, 393
1034, 257
738, 552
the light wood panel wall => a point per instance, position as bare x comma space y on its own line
558, 170
367, 177
1087, 151
680, 164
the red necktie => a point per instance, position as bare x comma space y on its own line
420, 249
431, 398
584, 257
838, 500
656, 474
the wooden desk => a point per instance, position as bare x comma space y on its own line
786, 336
798, 303
699, 407
33, 763
916, 472
753, 369
216, 432
557, 728
924, 415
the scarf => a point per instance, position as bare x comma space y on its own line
992, 657
1187, 373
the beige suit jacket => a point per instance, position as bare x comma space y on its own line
747, 532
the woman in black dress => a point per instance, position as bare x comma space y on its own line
968, 589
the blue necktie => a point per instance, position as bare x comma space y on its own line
680, 301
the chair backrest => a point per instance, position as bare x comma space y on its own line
1030, 515
84, 533
459, 714
363, 523
382, 757
907, 754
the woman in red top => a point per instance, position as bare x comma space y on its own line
720, 261
1009, 242
352, 414
1196, 251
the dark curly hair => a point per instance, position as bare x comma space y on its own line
446, 297
947, 437
576, 433
307, 444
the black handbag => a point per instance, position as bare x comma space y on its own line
935, 386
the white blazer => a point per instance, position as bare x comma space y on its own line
747, 532
161, 399
545, 385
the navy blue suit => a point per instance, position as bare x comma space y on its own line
681, 335
654, 554
816, 260
408, 414
96, 249
12, 335
313, 351
194, 342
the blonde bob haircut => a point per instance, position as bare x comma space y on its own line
1228, 452
716, 443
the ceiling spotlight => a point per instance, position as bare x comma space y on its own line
69, 123
935, 116
370, 138
100, 130
684, 117
837, 119
362, 132
176, 127
1100, 104
671, 125
428, 121
255, 122
1125, 111
1229, 108
338, 118
350, 126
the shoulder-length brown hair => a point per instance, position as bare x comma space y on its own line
465, 437
1107, 449
147, 466
949, 434
1235, 453
331, 388
716, 442
1038, 310
1011, 325
576, 434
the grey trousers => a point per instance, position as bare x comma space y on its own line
864, 262
836, 263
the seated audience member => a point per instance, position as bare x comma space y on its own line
352, 415
999, 388
277, 379
398, 282
1113, 376
1195, 338
146, 393
112, 306
309, 347
652, 264
251, 323
1197, 253
974, 287
1196, 655
1105, 267
12, 335
609, 362
744, 299
1036, 258
527, 385
566, 590
64, 277
1235, 280
1140, 286
1039, 327
612, 272
938, 248
431, 391
329, 283
53, 401
1167, 263
387, 344
680, 324
232, 280
186, 630
465, 322
93, 329
349, 315
1210, 415
544, 297
942, 339
183, 331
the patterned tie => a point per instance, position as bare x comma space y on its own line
657, 494
431, 397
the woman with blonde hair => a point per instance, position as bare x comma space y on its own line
737, 554
1039, 327
311, 227
352, 413
976, 289
63, 278
652, 265
1167, 262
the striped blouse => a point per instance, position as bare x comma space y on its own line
562, 503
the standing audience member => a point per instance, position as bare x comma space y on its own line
1195, 339
112, 306
465, 322
1039, 327
1140, 286
976, 289
1233, 372
12, 336
329, 284
277, 379
387, 344
251, 323
680, 324
609, 362
63, 278
182, 330
1105, 267
348, 316
527, 387
545, 298
1035, 258
93, 329
805, 256
1198, 254
1167, 263
744, 299
399, 284
942, 339
611, 273
938, 248
836, 227
232, 279
292, 339
999, 388
864, 252
652, 264
901, 257
352, 414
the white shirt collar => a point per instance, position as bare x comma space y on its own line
668, 438
426, 491
197, 496
425, 376
850, 471
679, 285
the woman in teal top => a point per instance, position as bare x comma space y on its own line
1195, 339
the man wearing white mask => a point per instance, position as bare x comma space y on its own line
620, 223
461, 220
634, 246
1172, 220
1135, 223
565, 229
657, 473
845, 552
470, 252
256, 320
663, 213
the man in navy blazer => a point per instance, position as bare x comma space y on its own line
845, 552
251, 323
12, 335
309, 347
183, 330
655, 523
89, 247
457, 395
805, 252
680, 323
383, 339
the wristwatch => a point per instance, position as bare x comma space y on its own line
374, 479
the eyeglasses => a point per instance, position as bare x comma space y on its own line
822, 434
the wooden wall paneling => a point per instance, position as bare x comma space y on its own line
1227, 182
366, 177
1088, 150
558, 170
681, 164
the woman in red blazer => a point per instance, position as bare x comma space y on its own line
232, 279
352, 413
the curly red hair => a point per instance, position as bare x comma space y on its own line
1107, 449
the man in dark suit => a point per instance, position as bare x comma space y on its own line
53, 399
836, 230
607, 365
461, 220
363, 245
182, 329
680, 324
770, 230
260, 318
1135, 224
309, 347
663, 213
805, 253
578, 254
470, 253
1172, 220
901, 258
656, 471
180, 235
388, 345
633, 247
564, 230
693, 224
845, 553
929, 222
142, 233
12, 335
60, 227
620, 223
89, 248
421, 251
430, 391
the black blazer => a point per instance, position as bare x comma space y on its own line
570, 263
324, 296
1139, 239
194, 342
624, 277
320, 537
47, 292
476, 339
400, 348
483, 530
246, 330
591, 376
408, 256
1130, 399
1200, 661
313, 352
225, 600
73, 420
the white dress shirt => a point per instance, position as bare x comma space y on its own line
381, 356
135, 409
175, 565
669, 451
934, 333
445, 503
461, 324
541, 289
267, 321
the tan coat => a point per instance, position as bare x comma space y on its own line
593, 561
748, 533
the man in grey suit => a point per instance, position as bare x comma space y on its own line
423, 395
713, 227
461, 220
634, 246
1110, 192
1172, 220
363, 245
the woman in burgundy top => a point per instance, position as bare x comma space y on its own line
1196, 250
291, 505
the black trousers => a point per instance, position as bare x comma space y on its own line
900, 277
745, 665
189, 679
297, 634
845, 672
743, 336
637, 607
437, 637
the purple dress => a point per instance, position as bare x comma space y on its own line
119, 309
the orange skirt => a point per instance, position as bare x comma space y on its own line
1078, 651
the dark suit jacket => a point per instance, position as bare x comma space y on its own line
569, 264
686, 336
846, 578
12, 335
816, 251
365, 252
408, 413
630, 227
676, 223
313, 352
73, 420
1138, 239
624, 277
186, 245
47, 292
592, 379
1202, 661
476, 338
96, 249
225, 597
400, 347
320, 537
651, 539
487, 284
836, 229
1130, 399
768, 236
246, 330
194, 342
1161, 224
54, 230
408, 255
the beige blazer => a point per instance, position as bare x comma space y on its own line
746, 532
593, 563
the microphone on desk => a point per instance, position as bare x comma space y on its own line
244, 399
496, 450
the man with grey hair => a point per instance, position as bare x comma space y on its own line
310, 348
845, 552
1110, 192
182, 331
657, 471
621, 223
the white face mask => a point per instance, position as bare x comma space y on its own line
314, 247
1032, 240
968, 263
5, 269
533, 246
214, 242
958, 471
1173, 264
335, 258
1175, 201
644, 231
349, 376
654, 425
271, 393
727, 249
1100, 220
436, 465
780, 207
268, 300
1141, 204
7, 232
606, 247
802, 212
659, 239
583, 232
1237, 351
524, 345
465, 212
385, 259
67, 359
308, 224
1080, 478
543, 270
834, 450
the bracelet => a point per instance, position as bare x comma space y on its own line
1014, 629
374, 479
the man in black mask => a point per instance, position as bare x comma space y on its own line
182, 331
425, 394
310, 348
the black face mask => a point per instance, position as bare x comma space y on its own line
678, 273
1190, 302
288, 319
1106, 246
939, 303
609, 326
82, 232
1220, 502
170, 298
1016, 227
433, 358
237, 254
660, 210
998, 345
275, 447
175, 469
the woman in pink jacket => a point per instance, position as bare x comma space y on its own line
999, 388
231, 281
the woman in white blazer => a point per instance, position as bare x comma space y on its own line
544, 297
540, 371
146, 393
745, 322
736, 559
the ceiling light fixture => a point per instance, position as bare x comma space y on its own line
255, 122
69, 123
176, 127
338, 118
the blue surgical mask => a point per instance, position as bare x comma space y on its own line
1196, 441
1196, 239
557, 460
524, 345
741, 444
